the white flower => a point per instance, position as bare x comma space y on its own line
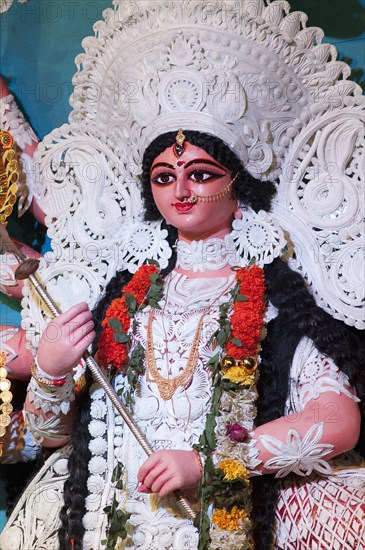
95, 484
297, 455
91, 520
98, 409
118, 453
118, 441
118, 420
96, 392
118, 430
97, 465
97, 428
97, 446
234, 540
92, 502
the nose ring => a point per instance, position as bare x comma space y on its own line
193, 199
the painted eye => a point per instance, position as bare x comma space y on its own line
200, 176
163, 179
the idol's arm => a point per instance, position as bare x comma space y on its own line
303, 442
50, 405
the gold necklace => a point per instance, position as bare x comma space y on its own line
166, 386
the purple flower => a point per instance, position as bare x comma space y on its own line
236, 432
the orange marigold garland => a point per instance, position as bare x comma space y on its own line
247, 316
225, 483
113, 351
231, 521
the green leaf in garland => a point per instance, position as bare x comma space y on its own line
214, 361
131, 377
131, 304
204, 530
209, 431
227, 385
150, 261
154, 288
241, 298
209, 467
154, 304
117, 472
115, 324
154, 277
221, 338
202, 440
121, 337
236, 341
117, 519
216, 402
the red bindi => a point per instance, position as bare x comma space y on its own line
180, 163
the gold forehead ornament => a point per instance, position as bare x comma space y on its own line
179, 145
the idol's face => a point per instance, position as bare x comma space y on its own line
175, 180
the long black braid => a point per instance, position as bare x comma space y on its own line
298, 316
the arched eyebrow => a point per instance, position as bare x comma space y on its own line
190, 163
204, 161
164, 164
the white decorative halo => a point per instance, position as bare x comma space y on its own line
250, 73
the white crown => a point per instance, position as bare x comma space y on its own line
252, 75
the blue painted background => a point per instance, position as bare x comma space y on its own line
40, 39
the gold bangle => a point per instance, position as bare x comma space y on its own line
44, 381
6, 408
198, 459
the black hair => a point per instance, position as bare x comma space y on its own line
298, 316
75, 488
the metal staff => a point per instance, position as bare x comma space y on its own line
26, 270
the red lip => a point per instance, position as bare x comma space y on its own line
183, 206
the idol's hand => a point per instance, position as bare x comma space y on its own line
65, 339
166, 471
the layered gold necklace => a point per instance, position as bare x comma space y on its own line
168, 386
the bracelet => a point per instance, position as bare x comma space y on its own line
6, 396
198, 459
51, 381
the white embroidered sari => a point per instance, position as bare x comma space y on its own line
307, 511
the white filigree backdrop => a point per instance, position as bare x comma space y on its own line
255, 76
